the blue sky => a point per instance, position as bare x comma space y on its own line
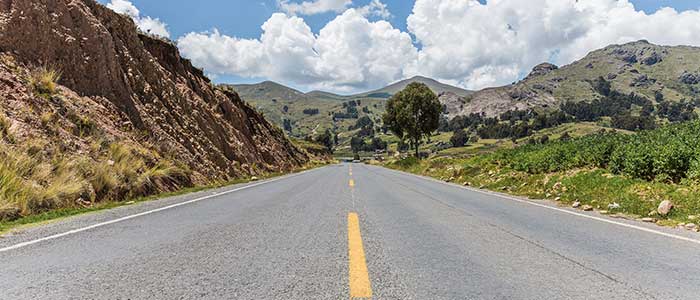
211, 34
242, 18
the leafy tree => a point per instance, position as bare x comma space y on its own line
327, 139
459, 138
287, 125
413, 113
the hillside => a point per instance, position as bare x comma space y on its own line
638, 67
280, 103
93, 110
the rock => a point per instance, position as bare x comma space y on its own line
613, 205
254, 178
649, 220
576, 204
604, 212
691, 226
467, 183
652, 59
665, 207
451, 179
642, 81
556, 186
130, 202
482, 187
557, 199
689, 78
587, 208
653, 213
110, 162
504, 188
542, 69
547, 195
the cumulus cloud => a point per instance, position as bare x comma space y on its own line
349, 53
146, 24
313, 7
463, 42
495, 43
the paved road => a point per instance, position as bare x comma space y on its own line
333, 233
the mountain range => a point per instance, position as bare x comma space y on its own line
638, 67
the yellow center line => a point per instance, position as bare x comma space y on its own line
360, 286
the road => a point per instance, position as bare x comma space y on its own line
347, 231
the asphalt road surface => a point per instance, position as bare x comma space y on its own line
343, 232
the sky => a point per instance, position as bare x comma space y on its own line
347, 46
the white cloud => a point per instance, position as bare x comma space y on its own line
461, 41
375, 8
313, 7
147, 24
490, 44
348, 54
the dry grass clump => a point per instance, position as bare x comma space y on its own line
5, 133
43, 80
31, 182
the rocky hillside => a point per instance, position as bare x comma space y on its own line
638, 67
122, 99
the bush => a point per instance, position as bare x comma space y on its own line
459, 138
669, 153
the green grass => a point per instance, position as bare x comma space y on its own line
634, 171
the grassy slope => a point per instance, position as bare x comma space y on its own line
477, 166
55, 215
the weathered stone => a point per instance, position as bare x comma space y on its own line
576, 204
587, 208
665, 207
649, 220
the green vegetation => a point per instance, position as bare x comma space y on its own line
413, 114
613, 172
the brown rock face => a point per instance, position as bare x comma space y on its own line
102, 55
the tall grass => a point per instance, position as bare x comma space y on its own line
33, 183
43, 80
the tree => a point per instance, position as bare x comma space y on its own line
413, 113
459, 138
327, 139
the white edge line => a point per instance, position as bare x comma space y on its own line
74, 231
491, 193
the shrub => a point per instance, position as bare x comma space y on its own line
459, 138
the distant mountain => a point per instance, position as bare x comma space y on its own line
313, 112
637, 67
436, 86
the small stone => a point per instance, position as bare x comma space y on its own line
254, 178
547, 195
557, 199
451, 179
110, 162
467, 183
576, 204
649, 220
587, 208
691, 226
130, 202
504, 188
482, 187
604, 212
665, 207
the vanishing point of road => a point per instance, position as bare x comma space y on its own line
348, 231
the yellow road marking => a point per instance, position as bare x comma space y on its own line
359, 277
351, 183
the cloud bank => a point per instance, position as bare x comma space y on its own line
462, 42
